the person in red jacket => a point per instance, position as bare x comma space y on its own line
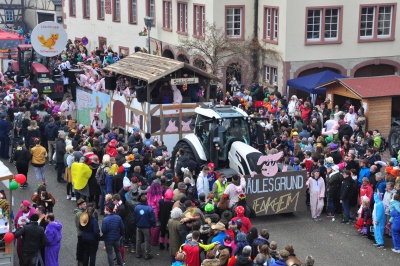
246, 223
366, 190
306, 112
193, 249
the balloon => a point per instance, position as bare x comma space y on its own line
20, 178
13, 185
9, 237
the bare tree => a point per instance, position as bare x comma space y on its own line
214, 47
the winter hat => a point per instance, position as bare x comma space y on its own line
113, 143
227, 241
333, 146
239, 210
26, 203
241, 237
169, 194
209, 207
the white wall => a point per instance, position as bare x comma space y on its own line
117, 34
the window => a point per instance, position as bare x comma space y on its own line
199, 20
9, 15
234, 22
376, 22
271, 24
123, 51
86, 8
324, 25
167, 15
117, 11
151, 10
133, 12
182, 17
271, 75
100, 9
72, 8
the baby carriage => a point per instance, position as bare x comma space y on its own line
14, 143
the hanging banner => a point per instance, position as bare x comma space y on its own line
89, 103
155, 47
284, 192
49, 38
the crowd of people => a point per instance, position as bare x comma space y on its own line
129, 184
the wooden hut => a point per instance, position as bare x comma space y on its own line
378, 95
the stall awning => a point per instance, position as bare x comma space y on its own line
310, 82
151, 68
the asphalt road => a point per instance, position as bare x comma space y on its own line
330, 243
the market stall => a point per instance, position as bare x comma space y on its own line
6, 222
377, 95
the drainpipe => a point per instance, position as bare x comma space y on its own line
255, 56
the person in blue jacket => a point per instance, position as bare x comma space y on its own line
380, 185
4, 138
113, 230
364, 171
395, 221
144, 218
379, 220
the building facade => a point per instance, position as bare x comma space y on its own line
355, 38
37, 12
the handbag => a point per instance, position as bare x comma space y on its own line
364, 230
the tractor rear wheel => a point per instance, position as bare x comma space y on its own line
394, 140
188, 151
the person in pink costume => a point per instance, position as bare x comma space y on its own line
316, 186
24, 213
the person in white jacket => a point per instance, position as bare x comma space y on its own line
68, 107
293, 105
235, 188
202, 182
177, 94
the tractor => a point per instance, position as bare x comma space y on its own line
222, 136
30, 62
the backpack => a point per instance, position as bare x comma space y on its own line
382, 147
336, 137
101, 176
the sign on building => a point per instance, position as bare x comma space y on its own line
184, 81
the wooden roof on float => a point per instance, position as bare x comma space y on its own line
151, 68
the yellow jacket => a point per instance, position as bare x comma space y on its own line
38, 155
80, 174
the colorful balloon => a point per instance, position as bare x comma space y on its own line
20, 178
9, 237
13, 185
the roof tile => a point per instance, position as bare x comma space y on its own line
369, 87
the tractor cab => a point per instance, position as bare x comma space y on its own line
218, 127
30, 62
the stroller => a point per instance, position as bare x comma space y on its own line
14, 143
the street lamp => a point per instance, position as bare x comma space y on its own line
148, 21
